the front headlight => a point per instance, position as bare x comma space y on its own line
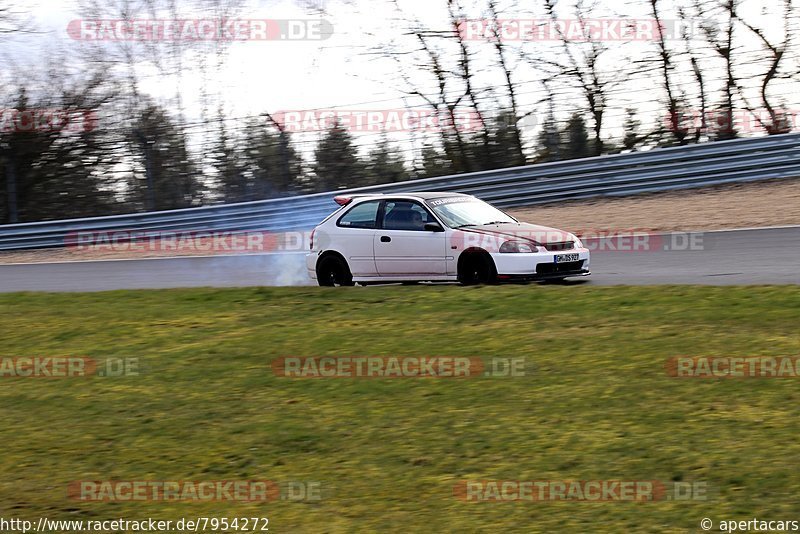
518, 246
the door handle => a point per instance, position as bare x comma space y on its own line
385, 239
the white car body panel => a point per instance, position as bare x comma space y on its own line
419, 255
410, 252
359, 250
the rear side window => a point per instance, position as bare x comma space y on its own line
364, 215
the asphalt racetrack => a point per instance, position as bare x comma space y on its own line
751, 256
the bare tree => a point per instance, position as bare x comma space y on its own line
583, 66
504, 62
465, 73
721, 42
697, 73
674, 124
778, 122
445, 99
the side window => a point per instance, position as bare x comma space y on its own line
364, 215
404, 215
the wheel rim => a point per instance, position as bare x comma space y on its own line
329, 273
333, 275
475, 274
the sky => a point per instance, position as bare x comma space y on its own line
350, 69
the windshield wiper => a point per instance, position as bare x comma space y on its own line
496, 222
463, 226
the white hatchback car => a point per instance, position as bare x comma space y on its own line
415, 237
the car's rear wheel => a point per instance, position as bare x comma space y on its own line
477, 268
333, 271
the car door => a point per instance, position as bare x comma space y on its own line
355, 237
403, 246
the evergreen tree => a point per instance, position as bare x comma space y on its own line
503, 142
271, 165
631, 129
434, 163
337, 164
51, 171
576, 138
166, 177
385, 164
549, 140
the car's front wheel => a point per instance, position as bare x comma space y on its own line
477, 268
333, 271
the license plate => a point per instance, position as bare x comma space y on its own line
564, 258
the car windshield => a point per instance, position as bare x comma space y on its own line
467, 211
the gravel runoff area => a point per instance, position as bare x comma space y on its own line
754, 205
761, 204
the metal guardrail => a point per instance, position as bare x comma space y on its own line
665, 169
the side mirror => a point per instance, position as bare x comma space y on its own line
433, 227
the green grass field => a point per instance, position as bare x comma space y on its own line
595, 403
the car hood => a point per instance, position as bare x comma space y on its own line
530, 232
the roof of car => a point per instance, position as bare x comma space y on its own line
436, 194
424, 195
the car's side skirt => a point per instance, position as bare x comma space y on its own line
406, 278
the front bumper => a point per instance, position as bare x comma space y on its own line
540, 265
